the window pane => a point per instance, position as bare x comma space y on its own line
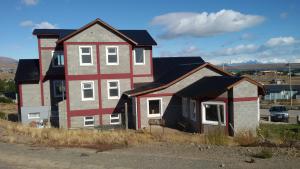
34, 115
87, 85
113, 84
115, 120
112, 59
113, 92
88, 93
89, 118
89, 122
154, 106
112, 50
139, 55
212, 112
114, 115
86, 59
85, 50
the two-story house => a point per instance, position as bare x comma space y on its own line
84, 77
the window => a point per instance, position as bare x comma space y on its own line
87, 90
57, 58
59, 88
35, 115
139, 56
211, 112
154, 107
89, 121
185, 107
113, 87
112, 56
193, 109
85, 54
115, 118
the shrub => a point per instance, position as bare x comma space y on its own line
216, 137
2, 115
246, 138
5, 100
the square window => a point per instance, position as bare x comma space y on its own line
57, 58
85, 53
35, 115
139, 56
212, 111
89, 121
112, 55
115, 118
113, 88
59, 88
87, 90
154, 107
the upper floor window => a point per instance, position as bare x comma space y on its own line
139, 56
87, 90
57, 58
112, 55
85, 54
59, 88
113, 87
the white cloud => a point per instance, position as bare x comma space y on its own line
238, 50
186, 51
30, 2
44, 25
27, 23
204, 24
280, 41
283, 15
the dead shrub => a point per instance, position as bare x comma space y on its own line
246, 138
216, 137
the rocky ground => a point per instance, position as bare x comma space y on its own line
161, 155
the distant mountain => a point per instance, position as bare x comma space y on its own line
261, 66
8, 63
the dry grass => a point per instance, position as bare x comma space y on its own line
246, 138
8, 108
15, 132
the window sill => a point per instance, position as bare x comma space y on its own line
213, 123
88, 99
86, 65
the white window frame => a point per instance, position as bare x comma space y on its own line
192, 111
161, 107
117, 53
80, 56
52, 53
144, 62
28, 115
86, 120
114, 118
108, 89
204, 121
185, 105
82, 93
54, 84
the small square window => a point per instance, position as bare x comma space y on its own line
139, 56
112, 56
154, 107
212, 111
87, 90
113, 88
57, 58
89, 121
35, 115
115, 118
85, 53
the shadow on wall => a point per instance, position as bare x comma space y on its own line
172, 114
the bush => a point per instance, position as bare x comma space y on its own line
216, 137
2, 115
246, 139
5, 100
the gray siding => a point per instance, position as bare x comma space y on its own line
142, 79
124, 60
78, 122
111, 103
76, 102
245, 115
47, 93
31, 95
74, 67
143, 69
48, 42
62, 114
96, 33
43, 110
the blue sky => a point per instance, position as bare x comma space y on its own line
220, 31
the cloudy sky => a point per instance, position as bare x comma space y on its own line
221, 31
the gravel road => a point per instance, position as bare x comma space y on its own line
158, 156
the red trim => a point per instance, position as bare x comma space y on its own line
20, 95
108, 110
99, 84
143, 75
86, 112
139, 112
82, 77
131, 67
241, 99
67, 86
96, 43
116, 76
48, 48
96, 76
41, 72
151, 61
158, 95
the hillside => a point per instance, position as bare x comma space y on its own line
260, 66
8, 67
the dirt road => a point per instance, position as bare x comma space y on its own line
158, 156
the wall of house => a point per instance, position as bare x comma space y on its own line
43, 110
62, 114
245, 115
146, 68
31, 94
143, 79
47, 41
75, 96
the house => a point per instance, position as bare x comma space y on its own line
91, 76
282, 92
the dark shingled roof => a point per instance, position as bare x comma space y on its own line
211, 86
168, 69
141, 37
28, 71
